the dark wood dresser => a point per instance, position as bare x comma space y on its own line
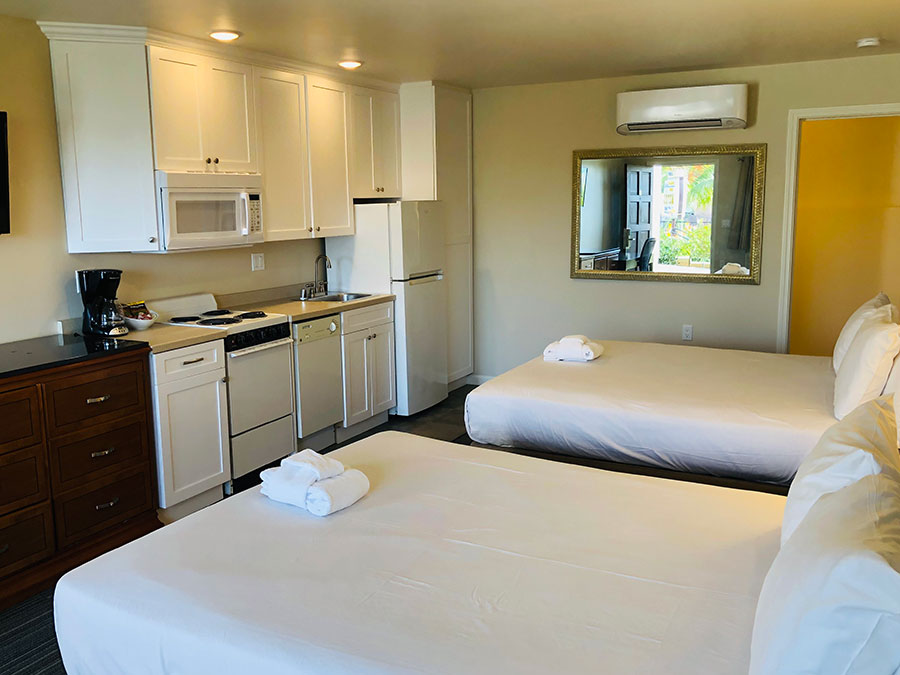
77, 471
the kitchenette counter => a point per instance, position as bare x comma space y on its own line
165, 337
300, 310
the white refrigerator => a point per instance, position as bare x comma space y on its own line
399, 248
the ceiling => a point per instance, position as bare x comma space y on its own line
484, 43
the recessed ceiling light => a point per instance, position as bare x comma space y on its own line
224, 35
349, 64
868, 42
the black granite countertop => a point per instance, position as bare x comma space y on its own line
26, 356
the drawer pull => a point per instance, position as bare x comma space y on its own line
190, 361
107, 505
4, 549
103, 453
98, 399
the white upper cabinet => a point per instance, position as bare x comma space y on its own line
376, 143
105, 147
203, 117
283, 153
328, 106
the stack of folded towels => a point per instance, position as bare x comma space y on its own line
313, 482
573, 348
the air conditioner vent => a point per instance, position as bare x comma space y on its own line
722, 106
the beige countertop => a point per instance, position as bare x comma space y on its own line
165, 337
299, 310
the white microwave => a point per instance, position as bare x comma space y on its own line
201, 210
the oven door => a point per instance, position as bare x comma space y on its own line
260, 384
203, 218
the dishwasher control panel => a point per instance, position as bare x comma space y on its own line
317, 329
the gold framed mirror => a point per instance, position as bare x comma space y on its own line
677, 213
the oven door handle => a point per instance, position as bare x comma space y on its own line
260, 348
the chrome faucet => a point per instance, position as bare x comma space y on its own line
321, 286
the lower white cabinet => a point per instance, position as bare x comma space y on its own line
190, 407
370, 385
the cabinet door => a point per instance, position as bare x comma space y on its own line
363, 161
105, 146
458, 275
453, 147
382, 368
176, 94
283, 154
357, 377
191, 436
328, 105
228, 119
386, 142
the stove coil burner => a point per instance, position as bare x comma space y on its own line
184, 319
252, 315
224, 321
217, 312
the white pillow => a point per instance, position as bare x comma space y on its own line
867, 364
848, 332
830, 603
892, 386
863, 444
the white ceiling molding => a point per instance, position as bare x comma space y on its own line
92, 32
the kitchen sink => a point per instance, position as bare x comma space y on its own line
339, 297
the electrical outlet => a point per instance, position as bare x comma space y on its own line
687, 332
257, 262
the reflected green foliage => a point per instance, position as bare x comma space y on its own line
695, 243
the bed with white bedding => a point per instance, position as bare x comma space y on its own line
459, 560
724, 412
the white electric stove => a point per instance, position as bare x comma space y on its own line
259, 367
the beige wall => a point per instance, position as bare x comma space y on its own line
523, 142
37, 284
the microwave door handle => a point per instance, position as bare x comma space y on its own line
245, 214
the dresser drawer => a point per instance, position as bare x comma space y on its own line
20, 418
188, 361
25, 538
23, 479
99, 451
95, 397
101, 506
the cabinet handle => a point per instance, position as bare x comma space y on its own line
309, 228
216, 160
107, 505
98, 399
103, 453
209, 160
190, 361
4, 549
374, 335
318, 228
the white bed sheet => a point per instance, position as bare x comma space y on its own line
460, 560
724, 412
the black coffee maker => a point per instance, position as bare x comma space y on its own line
98, 293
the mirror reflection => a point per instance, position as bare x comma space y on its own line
691, 214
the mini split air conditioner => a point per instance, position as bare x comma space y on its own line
722, 106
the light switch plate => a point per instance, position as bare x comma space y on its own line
257, 262
687, 332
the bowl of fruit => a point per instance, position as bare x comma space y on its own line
137, 316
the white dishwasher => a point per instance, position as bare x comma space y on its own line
318, 374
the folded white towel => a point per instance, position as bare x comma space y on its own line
575, 339
310, 461
333, 494
572, 351
287, 486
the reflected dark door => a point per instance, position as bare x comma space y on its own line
638, 200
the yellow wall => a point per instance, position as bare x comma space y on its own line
37, 281
523, 142
847, 236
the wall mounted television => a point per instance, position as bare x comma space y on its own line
4, 177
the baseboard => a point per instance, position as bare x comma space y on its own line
318, 441
345, 434
456, 384
476, 379
190, 505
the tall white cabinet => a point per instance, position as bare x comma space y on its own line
436, 143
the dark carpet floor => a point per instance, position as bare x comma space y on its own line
27, 637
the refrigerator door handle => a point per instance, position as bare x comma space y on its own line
426, 280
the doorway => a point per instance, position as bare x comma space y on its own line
846, 225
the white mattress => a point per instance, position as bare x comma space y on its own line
724, 412
460, 560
